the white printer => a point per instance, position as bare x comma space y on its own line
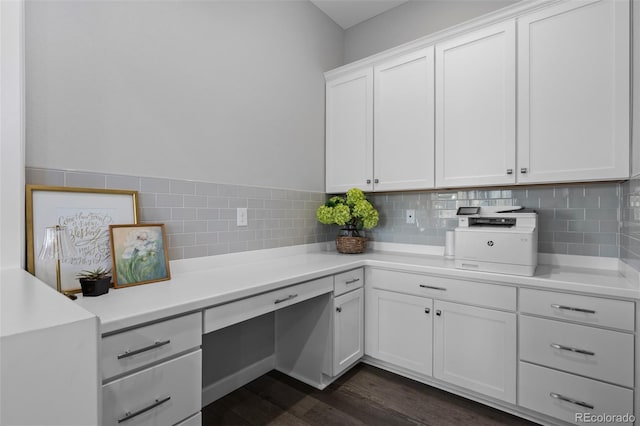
497, 239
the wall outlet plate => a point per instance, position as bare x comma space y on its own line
411, 216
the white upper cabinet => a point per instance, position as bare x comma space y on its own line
349, 132
475, 108
573, 92
404, 122
541, 96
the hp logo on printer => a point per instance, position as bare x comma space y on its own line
490, 243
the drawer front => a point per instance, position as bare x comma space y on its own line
141, 346
470, 292
584, 309
232, 313
348, 281
565, 396
162, 395
593, 352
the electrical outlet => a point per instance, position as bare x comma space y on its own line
242, 216
411, 216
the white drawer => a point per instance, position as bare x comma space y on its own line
560, 394
585, 309
162, 395
192, 421
141, 346
593, 352
455, 290
348, 281
234, 312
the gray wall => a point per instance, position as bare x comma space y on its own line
216, 91
412, 20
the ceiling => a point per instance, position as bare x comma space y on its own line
348, 13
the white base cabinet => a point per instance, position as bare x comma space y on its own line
348, 330
475, 348
412, 322
399, 329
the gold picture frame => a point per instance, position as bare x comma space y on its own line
87, 214
139, 254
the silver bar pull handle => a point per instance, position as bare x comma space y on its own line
156, 345
570, 349
430, 287
571, 400
571, 308
284, 299
129, 415
355, 280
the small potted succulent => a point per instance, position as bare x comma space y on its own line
353, 212
95, 282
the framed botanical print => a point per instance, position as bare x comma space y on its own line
139, 254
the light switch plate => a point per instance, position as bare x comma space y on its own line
242, 219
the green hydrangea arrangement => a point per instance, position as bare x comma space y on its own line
352, 210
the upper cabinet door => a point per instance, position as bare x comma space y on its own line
404, 122
475, 108
573, 107
349, 133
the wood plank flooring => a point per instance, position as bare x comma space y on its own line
364, 396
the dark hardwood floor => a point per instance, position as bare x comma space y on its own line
364, 396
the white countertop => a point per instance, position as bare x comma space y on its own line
27, 304
204, 282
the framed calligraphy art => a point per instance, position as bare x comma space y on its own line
86, 214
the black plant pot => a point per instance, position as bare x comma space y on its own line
95, 287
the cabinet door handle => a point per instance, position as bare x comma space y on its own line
368, 181
509, 171
284, 299
427, 310
376, 181
571, 400
339, 309
129, 415
157, 344
438, 312
570, 349
571, 308
523, 170
430, 287
355, 280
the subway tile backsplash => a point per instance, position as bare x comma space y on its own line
573, 219
200, 217
630, 221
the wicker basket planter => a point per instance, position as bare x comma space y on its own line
351, 245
